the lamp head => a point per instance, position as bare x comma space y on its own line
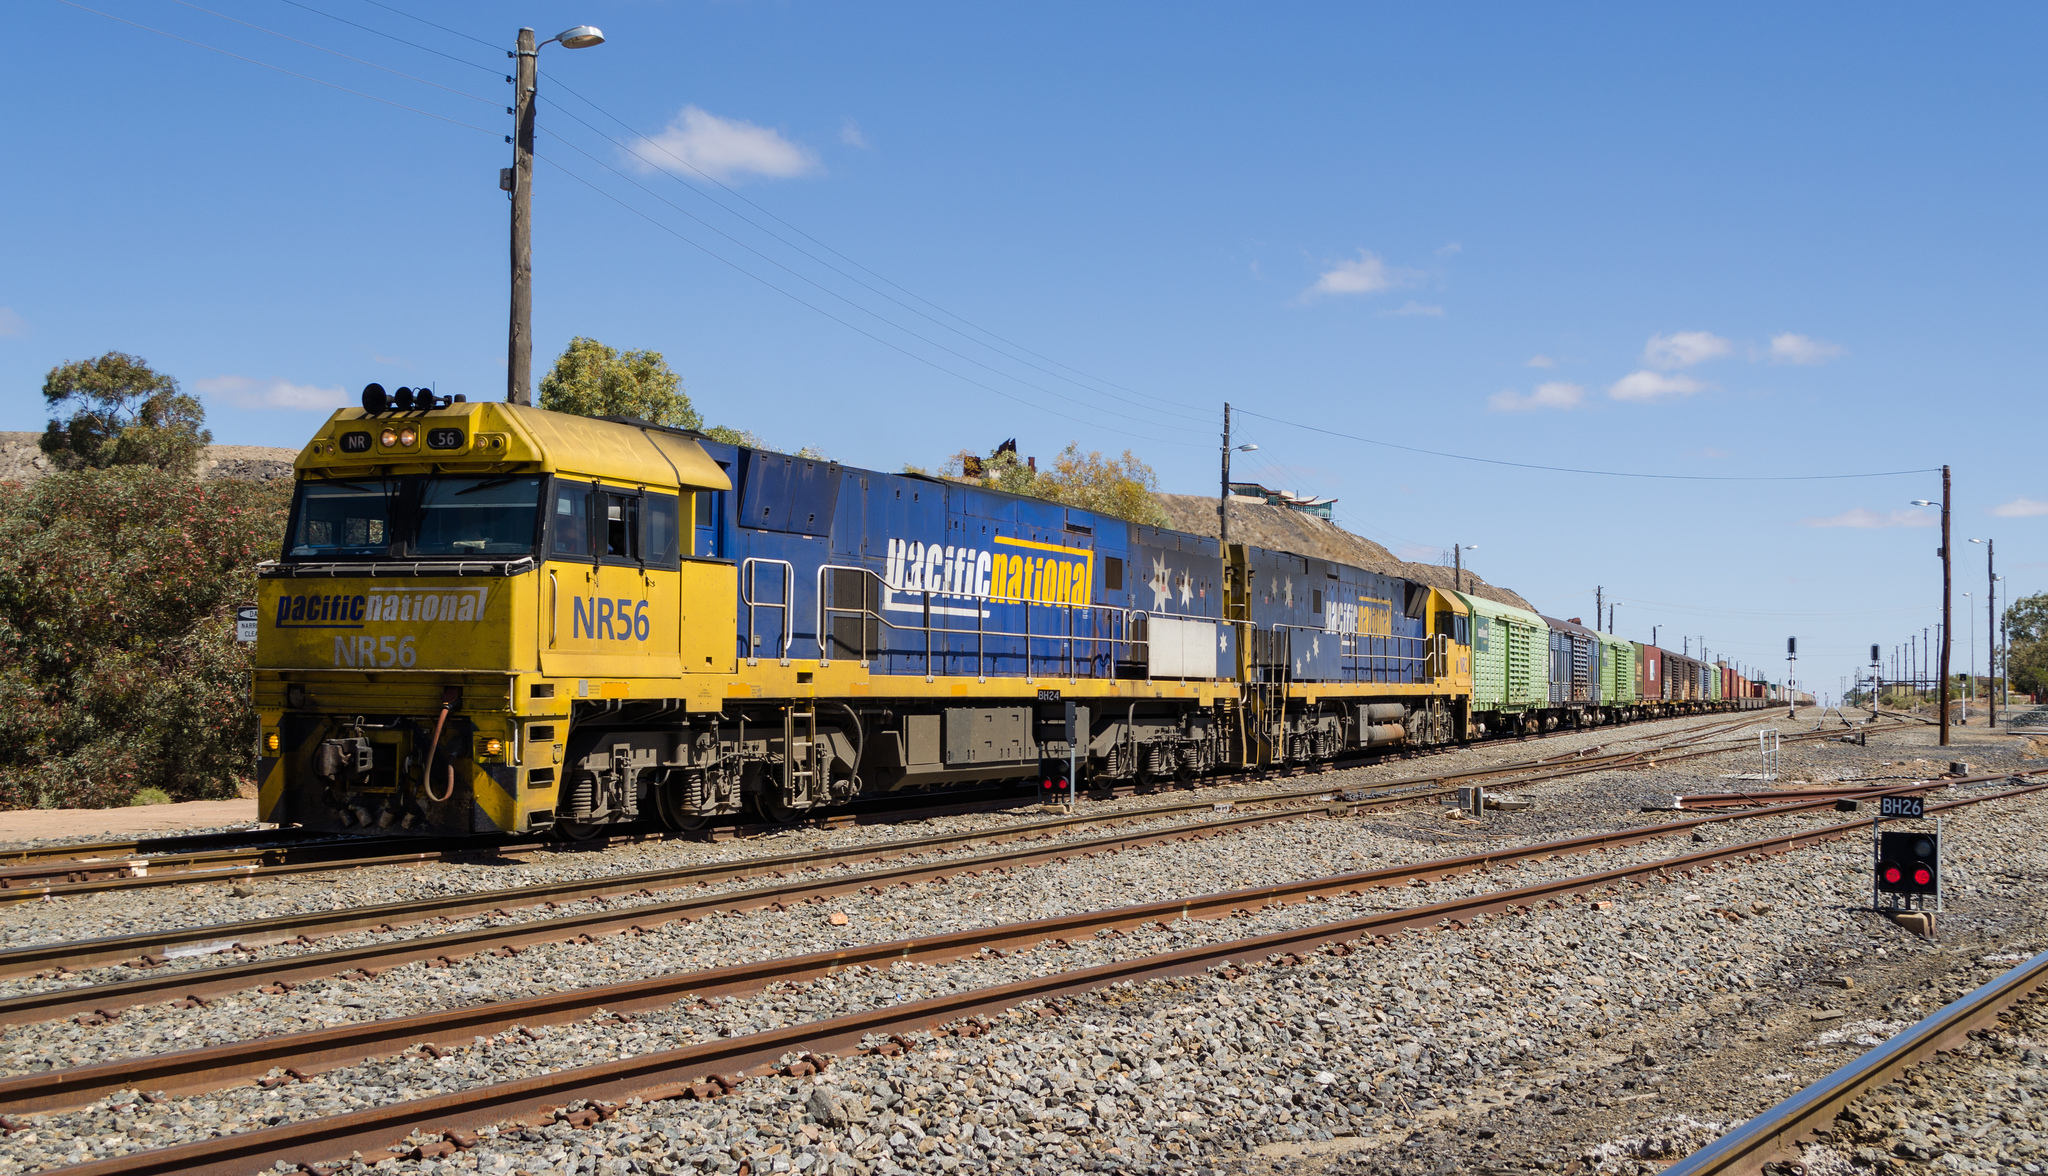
1923, 502
580, 37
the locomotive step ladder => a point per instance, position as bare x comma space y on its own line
799, 755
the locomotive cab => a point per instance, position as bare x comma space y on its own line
454, 579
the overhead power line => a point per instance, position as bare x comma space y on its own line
401, 40
444, 28
1523, 465
735, 194
276, 68
337, 53
798, 299
930, 342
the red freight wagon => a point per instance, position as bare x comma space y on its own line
1650, 678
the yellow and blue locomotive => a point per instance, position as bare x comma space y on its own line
494, 618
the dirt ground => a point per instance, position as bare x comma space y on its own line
35, 824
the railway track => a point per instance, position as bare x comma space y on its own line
324, 1049
1773, 1137
109, 998
150, 949
708, 1068
32, 872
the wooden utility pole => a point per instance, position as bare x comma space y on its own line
1223, 500
1947, 616
519, 344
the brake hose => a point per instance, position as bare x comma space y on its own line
448, 698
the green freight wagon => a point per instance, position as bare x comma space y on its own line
1510, 665
1620, 684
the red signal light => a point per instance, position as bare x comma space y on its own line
1922, 876
1892, 873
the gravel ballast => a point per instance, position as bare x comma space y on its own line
1556, 1034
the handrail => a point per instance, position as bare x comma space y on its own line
1119, 618
748, 568
1381, 655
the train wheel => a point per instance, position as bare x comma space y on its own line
579, 830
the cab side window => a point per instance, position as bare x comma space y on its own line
618, 528
569, 511
663, 530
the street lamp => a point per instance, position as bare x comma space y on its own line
1223, 500
1991, 626
1458, 569
1948, 626
518, 180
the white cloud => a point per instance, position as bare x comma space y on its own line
1367, 275
1684, 349
1452, 249
1539, 361
850, 134
1801, 349
1552, 395
722, 148
1868, 520
1710, 451
1649, 387
243, 392
2020, 508
1414, 307
12, 325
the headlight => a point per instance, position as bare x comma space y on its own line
388, 438
406, 437
494, 747
270, 742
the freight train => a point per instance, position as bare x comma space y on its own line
495, 618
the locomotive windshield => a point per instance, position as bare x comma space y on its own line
416, 517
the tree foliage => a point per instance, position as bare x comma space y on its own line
119, 668
2026, 622
122, 412
591, 379
1121, 487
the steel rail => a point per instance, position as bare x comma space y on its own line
157, 946
122, 860
106, 998
1707, 800
673, 1073
136, 869
1775, 1134
209, 1068
228, 978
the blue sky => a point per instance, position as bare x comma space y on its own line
1734, 242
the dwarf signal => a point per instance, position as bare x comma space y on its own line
1909, 863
